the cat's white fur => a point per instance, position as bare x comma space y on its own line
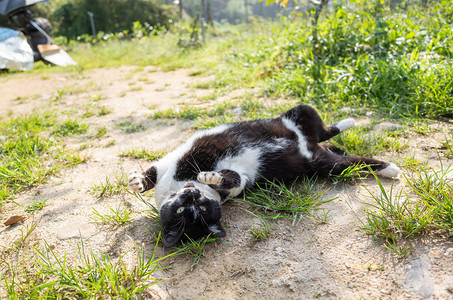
246, 164
345, 124
303, 149
392, 171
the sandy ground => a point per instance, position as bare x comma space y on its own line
307, 260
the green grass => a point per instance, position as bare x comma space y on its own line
142, 153
447, 145
351, 174
104, 111
130, 126
434, 188
30, 153
153, 211
118, 216
71, 127
277, 200
361, 141
195, 248
110, 187
262, 231
100, 132
48, 275
395, 218
36, 205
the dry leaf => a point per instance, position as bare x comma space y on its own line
14, 220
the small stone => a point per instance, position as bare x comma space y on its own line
448, 252
58, 219
387, 126
71, 231
384, 291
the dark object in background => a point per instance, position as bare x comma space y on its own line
23, 20
37, 30
9, 6
27, 24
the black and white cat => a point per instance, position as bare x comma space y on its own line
214, 164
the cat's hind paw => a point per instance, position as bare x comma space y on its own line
391, 171
210, 178
136, 182
345, 124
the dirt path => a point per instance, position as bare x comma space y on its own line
307, 260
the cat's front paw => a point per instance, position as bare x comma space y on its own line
136, 182
210, 178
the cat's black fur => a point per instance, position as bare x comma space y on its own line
218, 163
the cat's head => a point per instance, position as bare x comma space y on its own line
192, 211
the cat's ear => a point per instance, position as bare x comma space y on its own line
171, 236
217, 229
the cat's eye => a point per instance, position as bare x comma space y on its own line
180, 209
202, 207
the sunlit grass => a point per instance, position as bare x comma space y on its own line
29, 153
50, 275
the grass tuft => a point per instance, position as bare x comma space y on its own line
142, 153
261, 232
119, 216
278, 200
195, 248
94, 275
109, 188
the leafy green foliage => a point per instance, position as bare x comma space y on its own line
124, 16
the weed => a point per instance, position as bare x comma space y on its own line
277, 200
25, 233
195, 248
185, 113
36, 205
196, 73
130, 127
119, 216
95, 98
153, 212
136, 89
143, 154
28, 156
447, 145
435, 191
100, 131
93, 275
71, 127
104, 111
411, 162
351, 174
393, 218
261, 232
108, 188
